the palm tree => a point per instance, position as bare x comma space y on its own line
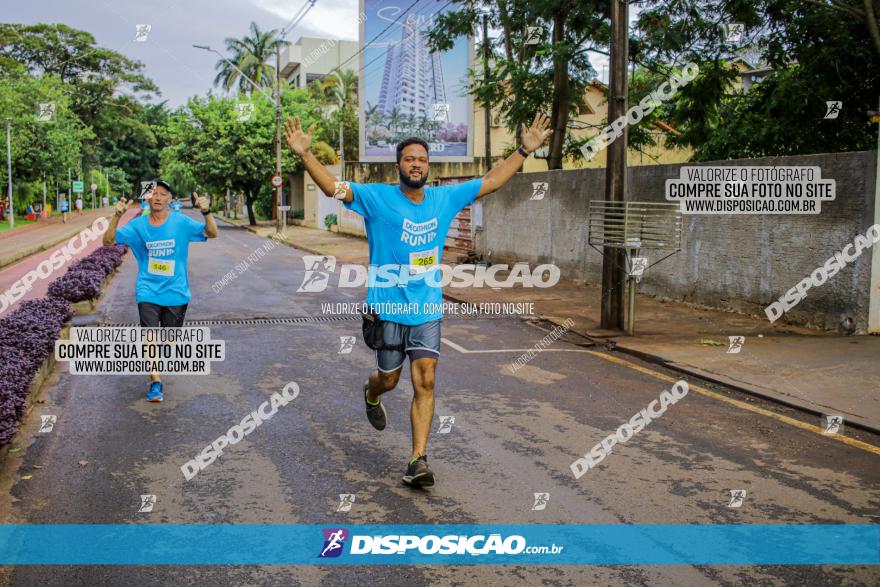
372, 117
409, 123
251, 54
423, 126
342, 86
395, 119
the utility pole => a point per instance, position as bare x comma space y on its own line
487, 109
278, 202
874, 296
341, 138
9, 172
614, 259
341, 94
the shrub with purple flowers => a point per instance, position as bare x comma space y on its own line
27, 338
82, 281
28, 335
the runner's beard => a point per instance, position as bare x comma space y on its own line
413, 183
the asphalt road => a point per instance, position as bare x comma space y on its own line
514, 434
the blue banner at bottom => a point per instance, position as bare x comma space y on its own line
493, 544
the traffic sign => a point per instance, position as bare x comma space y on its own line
276, 180
78, 186
94, 186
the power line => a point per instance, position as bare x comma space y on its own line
303, 11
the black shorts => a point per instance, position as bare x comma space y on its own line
153, 315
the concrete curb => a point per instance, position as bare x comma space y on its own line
802, 405
228, 221
788, 401
291, 243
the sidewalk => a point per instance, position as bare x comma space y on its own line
27, 240
13, 272
242, 221
808, 369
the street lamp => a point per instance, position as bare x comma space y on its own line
9, 172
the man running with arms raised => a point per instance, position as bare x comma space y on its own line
160, 243
406, 227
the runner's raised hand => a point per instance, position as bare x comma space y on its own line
297, 139
202, 202
537, 134
121, 206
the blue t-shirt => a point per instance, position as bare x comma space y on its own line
161, 253
408, 239
63, 205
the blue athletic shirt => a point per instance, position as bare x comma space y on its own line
161, 253
409, 236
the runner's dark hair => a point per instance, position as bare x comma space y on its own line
406, 143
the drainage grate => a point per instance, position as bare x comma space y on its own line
304, 320
249, 321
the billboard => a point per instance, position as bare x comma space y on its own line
405, 90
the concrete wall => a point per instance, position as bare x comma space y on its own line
316, 205
736, 262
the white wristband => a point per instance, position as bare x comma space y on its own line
340, 189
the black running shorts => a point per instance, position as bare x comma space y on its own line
154, 315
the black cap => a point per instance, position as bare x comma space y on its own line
152, 185
164, 184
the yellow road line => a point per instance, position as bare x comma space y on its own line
743, 405
463, 350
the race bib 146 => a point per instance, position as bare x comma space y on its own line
161, 267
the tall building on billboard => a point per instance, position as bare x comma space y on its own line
413, 78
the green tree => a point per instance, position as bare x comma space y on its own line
72, 55
251, 54
818, 51
335, 97
525, 78
104, 90
208, 143
41, 150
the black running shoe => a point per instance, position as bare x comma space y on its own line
418, 474
375, 413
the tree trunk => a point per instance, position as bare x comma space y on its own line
249, 201
561, 96
504, 18
871, 19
